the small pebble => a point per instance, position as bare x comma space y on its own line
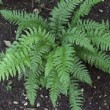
41, 96
94, 87
100, 108
105, 95
105, 104
82, 90
46, 96
25, 104
38, 104
45, 108
26, 98
15, 102
7, 43
90, 103
100, 10
98, 77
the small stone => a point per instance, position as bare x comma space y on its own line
90, 103
94, 87
100, 96
41, 96
100, 10
15, 102
7, 43
26, 98
99, 108
105, 95
25, 104
98, 77
36, 11
46, 96
38, 104
105, 101
105, 104
82, 90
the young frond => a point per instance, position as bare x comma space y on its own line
31, 86
75, 96
97, 58
61, 13
80, 72
100, 39
84, 9
77, 37
63, 63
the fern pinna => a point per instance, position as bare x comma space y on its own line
51, 52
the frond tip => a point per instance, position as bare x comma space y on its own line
31, 86
75, 96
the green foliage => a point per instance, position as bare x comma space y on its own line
75, 96
51, 53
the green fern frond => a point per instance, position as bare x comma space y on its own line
77, 37
17, 56
87, 25
54, 87
75, 96
31, 86
49, 64
61, 14
100, 39
80, 72
84, 9
14, 17
31, 21
24, 20
36, 55
63, 59
98, 58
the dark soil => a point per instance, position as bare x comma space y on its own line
12, 92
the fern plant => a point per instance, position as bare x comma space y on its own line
51, 52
